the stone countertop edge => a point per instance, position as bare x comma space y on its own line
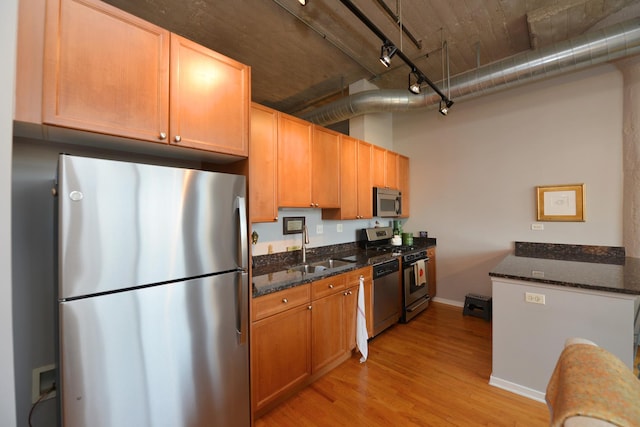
605, 277
283, 278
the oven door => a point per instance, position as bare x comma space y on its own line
415, 282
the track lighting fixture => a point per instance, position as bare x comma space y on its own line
415, 86
386, 53
445, 104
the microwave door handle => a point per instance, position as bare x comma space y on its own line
398, 206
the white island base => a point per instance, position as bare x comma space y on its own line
528, 336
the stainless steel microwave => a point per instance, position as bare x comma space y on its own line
387, 202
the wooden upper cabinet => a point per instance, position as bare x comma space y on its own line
263, 154
294, 162
356, 200
105, 71
379, 167
403, 183
348, 181
325, 168
210, 98
391, 173
29, 61
365, 186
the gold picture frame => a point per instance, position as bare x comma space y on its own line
561, 202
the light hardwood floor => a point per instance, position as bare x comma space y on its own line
433, 371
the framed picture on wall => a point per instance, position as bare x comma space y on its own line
561, 202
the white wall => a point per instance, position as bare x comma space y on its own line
474, 172
8, 29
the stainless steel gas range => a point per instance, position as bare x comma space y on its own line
400, 289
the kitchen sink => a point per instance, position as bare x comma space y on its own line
316, 267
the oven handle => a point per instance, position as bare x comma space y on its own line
415, 307
412, 263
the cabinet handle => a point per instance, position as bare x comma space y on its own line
311, 204
309, 307
284, 300
162, 136
345, 294
317, 205
350, 293
330, 286
177, 138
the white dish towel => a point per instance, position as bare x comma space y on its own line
361, 324
420, 271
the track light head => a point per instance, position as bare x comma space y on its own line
386, 53
445, 104
415, 86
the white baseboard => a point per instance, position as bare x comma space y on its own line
448, 302
517, 389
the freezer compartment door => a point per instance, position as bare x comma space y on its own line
169, 355
122, 225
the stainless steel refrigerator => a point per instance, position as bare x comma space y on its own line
152, 296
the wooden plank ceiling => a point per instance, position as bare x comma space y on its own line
302, 57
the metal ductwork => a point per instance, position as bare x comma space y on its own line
615, 42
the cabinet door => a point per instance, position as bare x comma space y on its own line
263, 153
325, 168
280, 354
328, 341
365, 185
30, 60
431, 271
403, 183
105, 71
210, 97
350, 316
391, 174
349, 177
294, 168
353, 283
379, 167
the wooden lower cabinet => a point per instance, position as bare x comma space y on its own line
431, 271
280, 354
328, 325
301, 333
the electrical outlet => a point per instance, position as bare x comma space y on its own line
534, 298
339, 228
43, 379
319, 229
537, 227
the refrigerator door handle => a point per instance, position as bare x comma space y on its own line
242, 224
241, 309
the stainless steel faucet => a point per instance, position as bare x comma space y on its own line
305, 242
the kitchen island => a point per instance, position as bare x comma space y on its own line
542, 297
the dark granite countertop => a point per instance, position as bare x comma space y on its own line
279, 276
620, 277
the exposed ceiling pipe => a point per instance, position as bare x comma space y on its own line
608, 44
